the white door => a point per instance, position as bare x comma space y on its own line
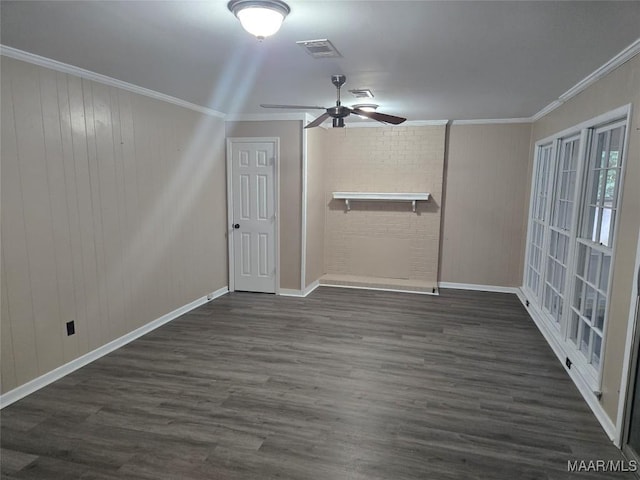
253, 215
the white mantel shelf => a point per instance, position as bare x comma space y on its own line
380, 197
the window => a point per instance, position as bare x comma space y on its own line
593, 264
574, 204
538, 218
560, 230
603, 184
589, 304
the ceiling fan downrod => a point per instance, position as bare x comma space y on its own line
338, 113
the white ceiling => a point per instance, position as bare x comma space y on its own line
424, 60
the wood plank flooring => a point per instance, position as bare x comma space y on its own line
343, 384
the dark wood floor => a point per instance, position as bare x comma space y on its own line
344, 384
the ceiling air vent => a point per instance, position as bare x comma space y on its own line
361, 93
319, 48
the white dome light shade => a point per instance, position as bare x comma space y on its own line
260, 18
260, 22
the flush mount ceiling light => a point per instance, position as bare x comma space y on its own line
261, 18
366, 107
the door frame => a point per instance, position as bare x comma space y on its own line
631, 357
231, 141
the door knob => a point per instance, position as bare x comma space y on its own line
236, 225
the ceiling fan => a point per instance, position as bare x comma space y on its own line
339, 112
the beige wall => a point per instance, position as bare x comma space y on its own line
485, 205
316, 138
113, 214
620, 87
384, 240
290, 134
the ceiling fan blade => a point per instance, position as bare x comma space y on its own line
301, 107
318, 120
380, 117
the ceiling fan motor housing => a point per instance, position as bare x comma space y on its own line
338, 80
338, 122
339, 111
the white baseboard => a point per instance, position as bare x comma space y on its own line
522, 298
311, 287
396, 290
580, 383
50, 377
478, 287
289, 292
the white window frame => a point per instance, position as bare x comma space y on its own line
559, 322
540, 146
559, 337
613, 119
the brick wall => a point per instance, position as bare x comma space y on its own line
384, 240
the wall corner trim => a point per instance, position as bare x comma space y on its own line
42, 381
305, 206
625, 55
104, 79
595, 406
288, 292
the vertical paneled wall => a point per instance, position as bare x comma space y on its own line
486, 204
384, 242
316, 138
113, 214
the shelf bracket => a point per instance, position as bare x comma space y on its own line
413, 204
346, 201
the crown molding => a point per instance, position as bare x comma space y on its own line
622, 57
625, 55
424, 123
491, 121
548, 109
97, 77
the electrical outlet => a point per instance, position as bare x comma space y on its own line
71, 328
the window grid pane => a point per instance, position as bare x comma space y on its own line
589, 302
536, 242
593, 259
604, 185
561, 222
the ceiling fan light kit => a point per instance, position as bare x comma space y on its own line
261, 18
367, 107
340, 112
